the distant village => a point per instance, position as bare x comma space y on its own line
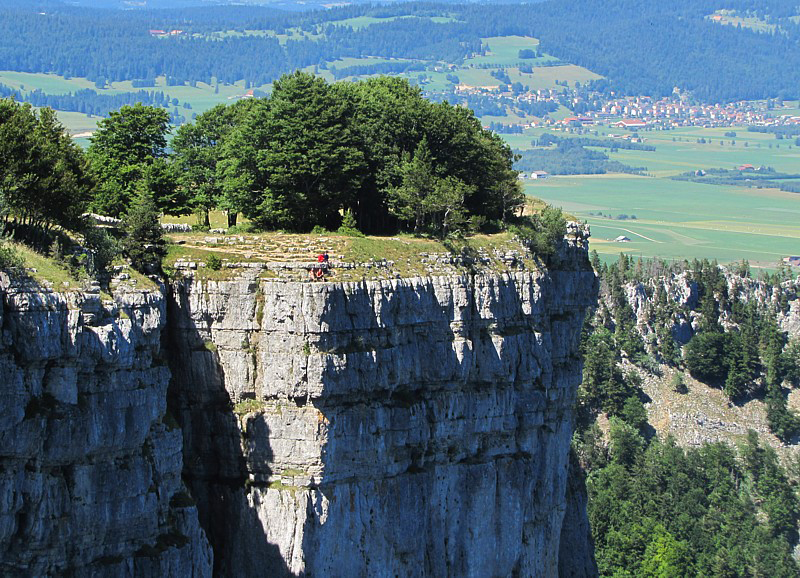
638, 112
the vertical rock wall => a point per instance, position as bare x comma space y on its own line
408, 427
90, 463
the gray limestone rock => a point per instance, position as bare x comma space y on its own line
411, 427
405, 427
90, 463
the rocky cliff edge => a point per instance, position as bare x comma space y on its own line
411, 427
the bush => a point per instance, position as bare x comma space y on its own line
349, 232
10, 258
214, 263
104, 249
542, 233
242, 229
679, 384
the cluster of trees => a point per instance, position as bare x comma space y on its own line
780, 131
656, 509
379, 68
547, 139
46, 185
569, 157
502, 128
528, 53
44, 181
762, 177
88, 101
314, 150
481, 104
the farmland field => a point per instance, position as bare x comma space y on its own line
677, 220
201, 97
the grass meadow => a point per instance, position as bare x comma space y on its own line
679, 220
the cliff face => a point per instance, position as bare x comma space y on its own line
90, 469
705, 414
406, 427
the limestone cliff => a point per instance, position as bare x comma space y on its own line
90, 467
411, 427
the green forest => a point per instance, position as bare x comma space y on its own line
657, 509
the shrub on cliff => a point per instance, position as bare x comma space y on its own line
543, 231
104, 249
9, 258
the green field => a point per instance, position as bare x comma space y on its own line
677, 220
201, 97
504, 50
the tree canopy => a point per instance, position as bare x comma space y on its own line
43, 175
313, 150
130, 147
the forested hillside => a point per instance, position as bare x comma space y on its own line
640, 47
714, 509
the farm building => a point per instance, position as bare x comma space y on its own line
793, 260
539, 175
630, 123
622, 239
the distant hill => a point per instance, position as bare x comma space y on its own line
640, 47
651, 47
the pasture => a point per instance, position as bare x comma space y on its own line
677, 220
201, 97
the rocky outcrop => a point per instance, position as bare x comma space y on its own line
403, 427
683, 296
90, 461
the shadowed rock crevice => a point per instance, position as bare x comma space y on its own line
216, 468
